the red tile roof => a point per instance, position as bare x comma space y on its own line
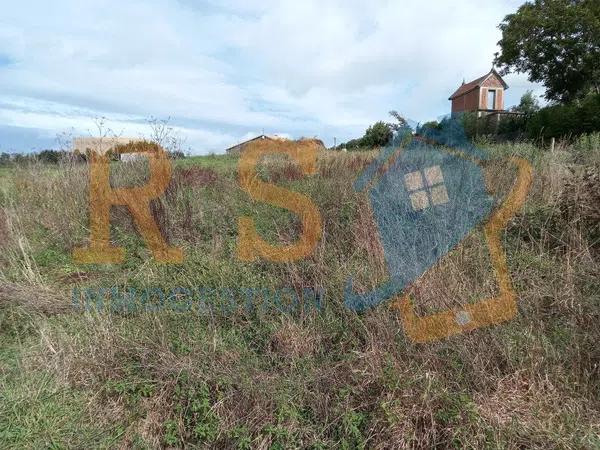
468, 87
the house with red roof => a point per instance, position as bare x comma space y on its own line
484, 96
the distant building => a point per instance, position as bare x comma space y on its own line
103, 145
484, 96
100, 145
238, 148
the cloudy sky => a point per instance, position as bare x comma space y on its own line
226, 70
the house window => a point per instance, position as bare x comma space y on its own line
491, 99
426, 188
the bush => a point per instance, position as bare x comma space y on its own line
377, 135
424, 129
512, 127
586, 149
49, 156
572, 119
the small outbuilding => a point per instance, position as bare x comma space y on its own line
484, 96
103, 145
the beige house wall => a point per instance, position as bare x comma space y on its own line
100, 145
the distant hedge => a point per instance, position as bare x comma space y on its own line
567, 120
557, 121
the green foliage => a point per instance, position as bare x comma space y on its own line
512, 127
557, 42
171, 436
567, 120
353, 144
454, 407
4, 159
576, 118
528, 103
471, 124
586, 148
241, 436
427, 127
332, 380
45, 157
49, 156
377, 135
194, 409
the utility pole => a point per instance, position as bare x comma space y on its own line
334, 143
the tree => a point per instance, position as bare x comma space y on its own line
572, 119
528, 104
20, 159
353, 144
557, 43
4, 159
431, 125
401, 121
49, 156
377, 135
176, 154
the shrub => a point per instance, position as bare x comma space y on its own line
572, 119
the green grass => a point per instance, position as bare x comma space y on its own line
332, 379
37, 410
219, 163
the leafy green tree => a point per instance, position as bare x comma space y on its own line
353, 144
432, 125
528, 103
49, 156
377, 135
556, 42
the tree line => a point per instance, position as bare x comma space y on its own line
57, 156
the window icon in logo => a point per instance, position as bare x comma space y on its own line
445, 184
426, 188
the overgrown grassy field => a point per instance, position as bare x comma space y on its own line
265, 378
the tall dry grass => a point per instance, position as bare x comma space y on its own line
328, 380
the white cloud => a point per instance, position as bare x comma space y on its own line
223, 70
